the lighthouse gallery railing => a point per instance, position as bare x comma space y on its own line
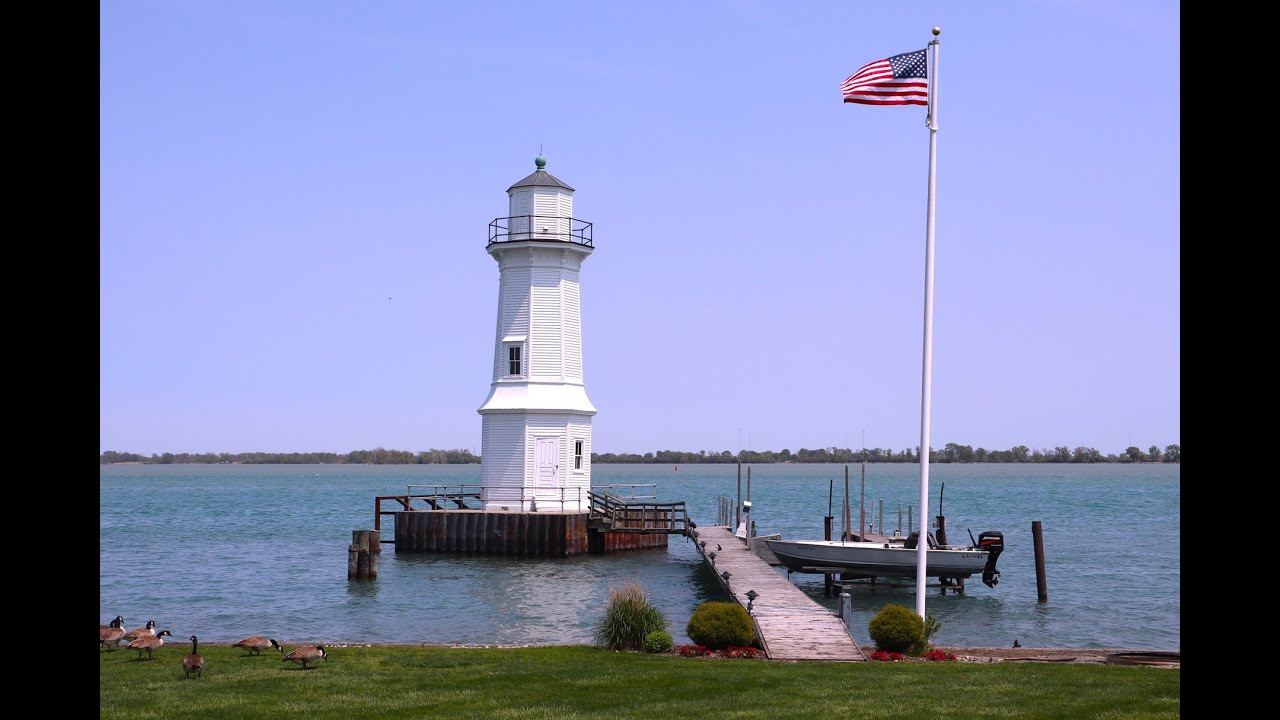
541, 228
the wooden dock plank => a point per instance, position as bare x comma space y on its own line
790, 624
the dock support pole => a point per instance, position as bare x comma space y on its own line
826, 577
737, 512
846, 611
1037, 539
366, 545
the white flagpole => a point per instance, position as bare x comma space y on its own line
922, 546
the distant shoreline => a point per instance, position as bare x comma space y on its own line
949, 453
613, 464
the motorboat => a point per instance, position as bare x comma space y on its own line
894, 557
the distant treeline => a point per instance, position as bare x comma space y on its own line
377, 456
951, 453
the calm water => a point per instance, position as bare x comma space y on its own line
225, 551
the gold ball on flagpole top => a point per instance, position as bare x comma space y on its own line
937, 31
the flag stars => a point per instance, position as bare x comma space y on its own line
912, 64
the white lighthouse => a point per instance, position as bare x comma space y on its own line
536, 446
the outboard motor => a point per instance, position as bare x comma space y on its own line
993, 542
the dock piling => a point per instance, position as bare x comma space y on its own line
1037, 539
362, 555
737, 509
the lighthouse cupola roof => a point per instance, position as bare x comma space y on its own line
541, 178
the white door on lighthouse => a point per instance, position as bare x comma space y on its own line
547, 454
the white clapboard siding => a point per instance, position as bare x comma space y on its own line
546, 209
572, 328
566, 213
503, 438
513, 299
545, 316
498, 330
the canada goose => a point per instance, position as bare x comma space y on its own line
141, 632
255, 644
307, 654
149, 643
193, 663
109, 636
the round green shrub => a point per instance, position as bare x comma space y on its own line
628, 619
717, 625
658, 641
897, 629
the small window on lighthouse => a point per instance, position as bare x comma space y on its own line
577, 455
513, 360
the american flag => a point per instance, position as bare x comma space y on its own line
899, 80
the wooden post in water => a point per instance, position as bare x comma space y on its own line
737, 512
899, 518
1037, 539
365, 545
826, 577
846, 611
881, 516
910, 522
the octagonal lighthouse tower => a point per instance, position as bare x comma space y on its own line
536, 447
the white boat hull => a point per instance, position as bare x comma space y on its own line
875, 559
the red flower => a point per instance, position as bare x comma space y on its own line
883, 656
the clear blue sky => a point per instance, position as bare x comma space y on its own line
295, 198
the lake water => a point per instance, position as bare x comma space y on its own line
224, 551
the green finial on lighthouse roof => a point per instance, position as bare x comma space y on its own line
541, 162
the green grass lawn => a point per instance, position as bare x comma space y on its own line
581, 682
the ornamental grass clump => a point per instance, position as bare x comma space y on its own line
718, 625
628, 619
897, 629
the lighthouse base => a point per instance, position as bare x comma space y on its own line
512, 534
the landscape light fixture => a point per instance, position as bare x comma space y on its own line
751, 598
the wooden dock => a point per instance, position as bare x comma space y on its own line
790, 625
